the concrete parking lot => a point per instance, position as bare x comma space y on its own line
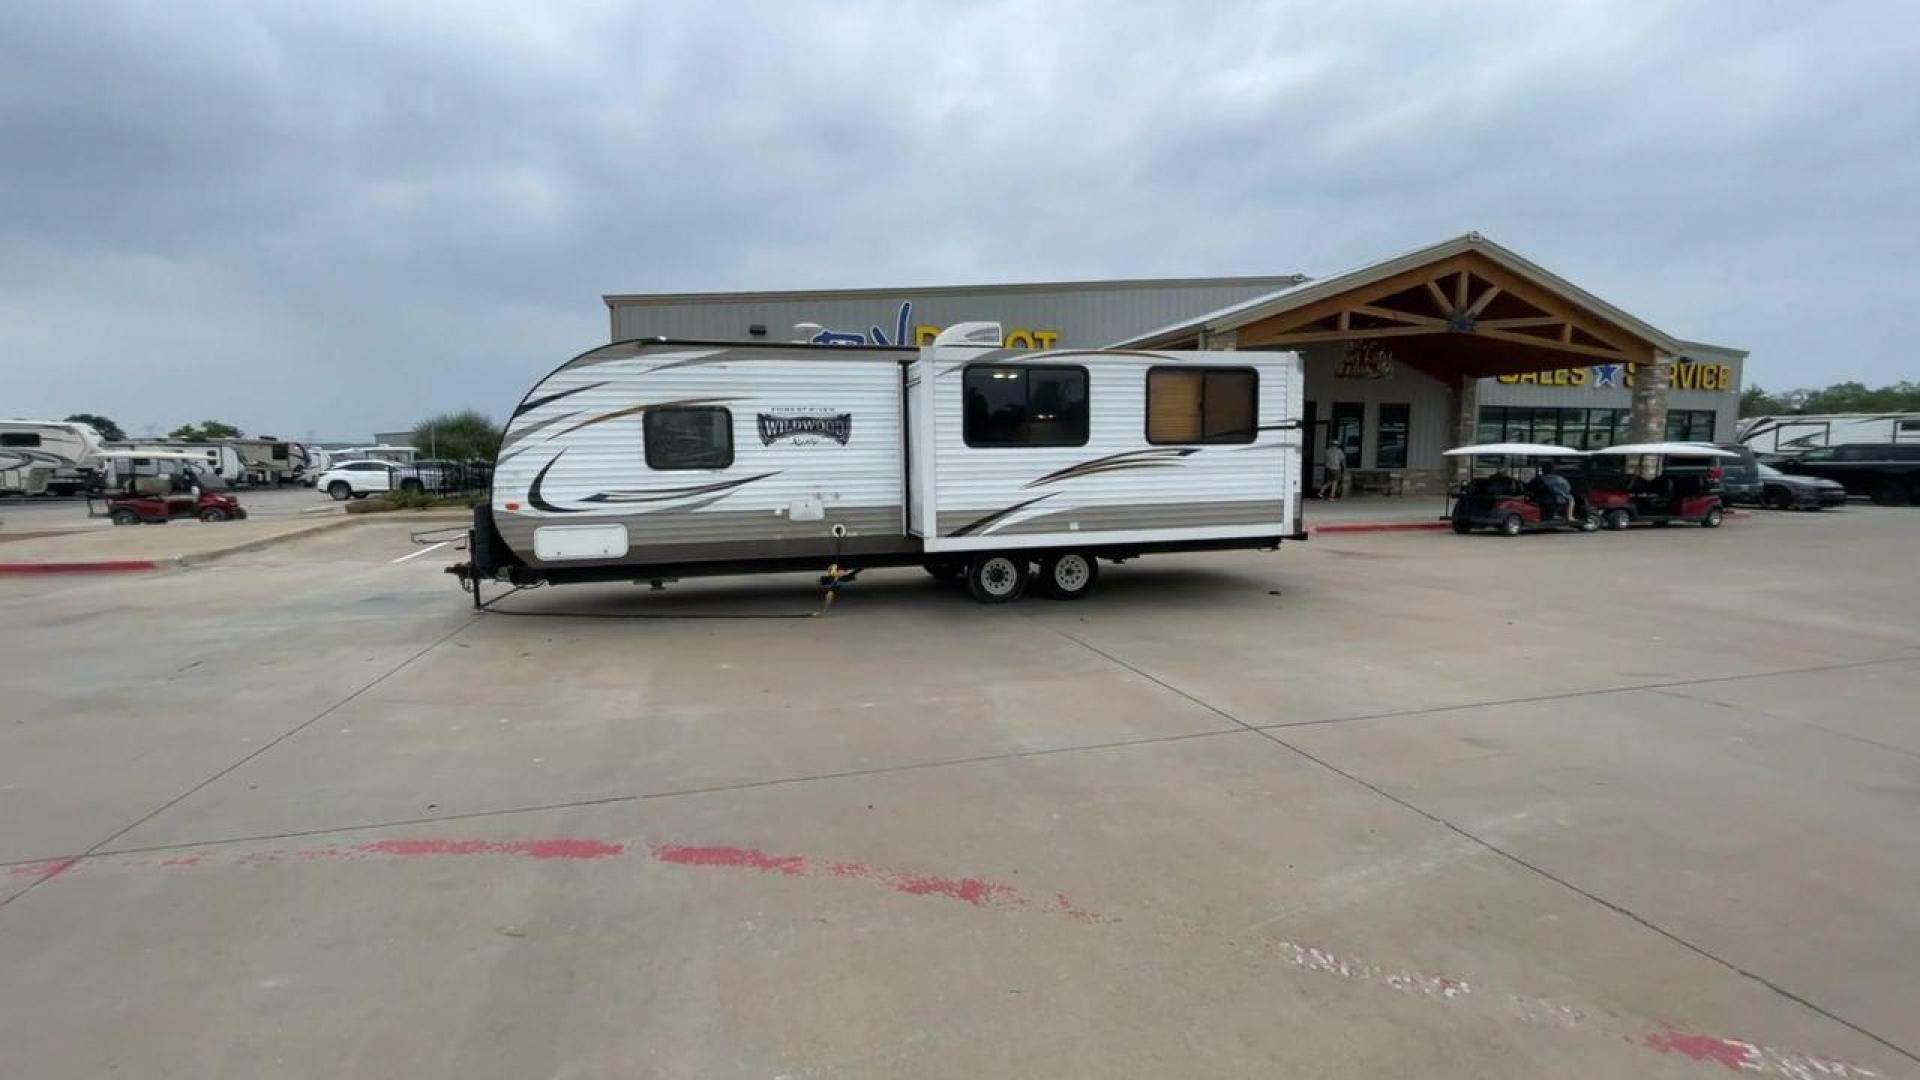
1641, 804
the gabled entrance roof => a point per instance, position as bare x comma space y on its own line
1467, 295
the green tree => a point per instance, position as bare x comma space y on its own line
1842, 397
108, 430
208, 431
458, 436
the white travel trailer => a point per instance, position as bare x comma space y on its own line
220, 457
646, 460
265, 460
1797, 434
57, 456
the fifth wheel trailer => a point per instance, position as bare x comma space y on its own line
653, 459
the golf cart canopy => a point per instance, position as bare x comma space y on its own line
1668, 449
1512, 449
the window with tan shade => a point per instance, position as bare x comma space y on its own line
1202, 405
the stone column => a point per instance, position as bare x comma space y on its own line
1466, 422
1650, 406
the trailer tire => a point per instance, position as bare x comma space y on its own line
996, 577
213, 513
124, 516
1510, 525
1068, 575
339, 490
1618, 519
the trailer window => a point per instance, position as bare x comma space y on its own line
688, 438
1202, 405
19, 438
1025, 406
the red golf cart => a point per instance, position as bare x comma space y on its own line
1504, 503
154, 488
1687, 488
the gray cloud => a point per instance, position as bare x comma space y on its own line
323, 219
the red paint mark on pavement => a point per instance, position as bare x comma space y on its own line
733, 857
968, 890
1734, 1055
42, 870
562, 847
114, 566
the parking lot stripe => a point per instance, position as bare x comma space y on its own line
423, 551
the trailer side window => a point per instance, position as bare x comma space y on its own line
1202, 405
688, 437
19, 438
1010, 405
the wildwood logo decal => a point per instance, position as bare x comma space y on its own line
805, 428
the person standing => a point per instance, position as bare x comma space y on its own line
1335, 483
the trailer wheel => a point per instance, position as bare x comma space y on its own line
1510, 525
1618, 519
125, 516
996, 578
339, 489
213, 513
1712, 520
1068, 575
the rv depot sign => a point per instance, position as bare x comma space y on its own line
905, 330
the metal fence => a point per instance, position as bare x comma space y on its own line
444, 477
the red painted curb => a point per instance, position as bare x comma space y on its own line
120, 566
1379, 526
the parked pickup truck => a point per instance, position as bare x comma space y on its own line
1887, 473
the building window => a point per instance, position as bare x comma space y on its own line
1576, 429
1347, 429
1025, 406
688, 437
1390, 445
19, 438
1690, 425
1202, 405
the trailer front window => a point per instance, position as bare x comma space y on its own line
688, 438
19, 438
1010, 405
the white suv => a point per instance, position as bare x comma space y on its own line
356, 479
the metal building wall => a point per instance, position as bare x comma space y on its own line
1082, 315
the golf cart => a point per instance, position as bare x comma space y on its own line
1503, 503
154, 487
1686, 491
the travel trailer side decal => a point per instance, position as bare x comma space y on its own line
551, 398
539, 502
669, 494
982, 523
1158, 458
537, 499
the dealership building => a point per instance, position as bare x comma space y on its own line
1463, 341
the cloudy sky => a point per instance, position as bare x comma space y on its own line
318, 220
